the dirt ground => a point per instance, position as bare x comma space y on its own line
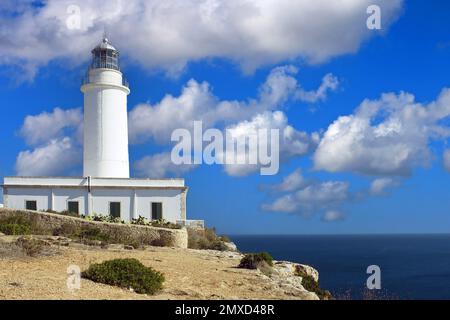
190, 274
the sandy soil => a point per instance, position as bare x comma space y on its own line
190, 274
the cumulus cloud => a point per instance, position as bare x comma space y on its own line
389, 136
329, 82
53, 158
379, 186
291, 142
241, 118
56, 140
46, 126
291, 182
198, 103
168, 34
160, 165
314, 198
333, 216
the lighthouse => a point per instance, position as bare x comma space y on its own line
106, 187
105, 115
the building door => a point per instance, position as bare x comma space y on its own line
157, 211
31, 205
114, 209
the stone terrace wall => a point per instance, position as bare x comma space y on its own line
149, 235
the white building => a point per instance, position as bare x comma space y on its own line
106, 188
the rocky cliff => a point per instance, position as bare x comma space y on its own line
190, 274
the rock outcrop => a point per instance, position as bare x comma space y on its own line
190, 274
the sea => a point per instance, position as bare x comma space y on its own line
411, 266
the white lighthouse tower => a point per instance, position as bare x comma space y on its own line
105, 116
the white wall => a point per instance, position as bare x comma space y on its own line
62, 196
16, 197
171, 203
57, 198
102, 197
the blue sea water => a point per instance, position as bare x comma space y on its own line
412, 266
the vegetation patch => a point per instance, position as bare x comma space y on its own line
64, 213
14, 229
310, 284
205, 239
256, 261
33, 247
141, 221
19, 223
15, 225
126, 273
109, 219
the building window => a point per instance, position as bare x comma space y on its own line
157, 211
31, 205
114, 209
73, 207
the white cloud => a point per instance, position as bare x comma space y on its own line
333, 216
389, 136
56, 138
291, 143
54, 158
197, 103
160, 165
447, 160
311, 199
379, 186
329, 82
168, 34
46, 126
291, 182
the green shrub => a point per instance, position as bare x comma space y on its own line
21, 223
14, 229
225, 238
142, 221
106, 219
311, 285
256, 260
205, 239
126, 273
92, 233
164, 224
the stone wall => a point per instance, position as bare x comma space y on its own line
50, 222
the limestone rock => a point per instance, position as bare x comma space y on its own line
231, 246
310, 271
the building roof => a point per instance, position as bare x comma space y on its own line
105, 44
80, 182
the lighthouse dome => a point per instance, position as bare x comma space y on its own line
105, 44
105, 56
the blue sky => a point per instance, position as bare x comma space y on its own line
357, 192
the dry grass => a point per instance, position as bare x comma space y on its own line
190, 274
